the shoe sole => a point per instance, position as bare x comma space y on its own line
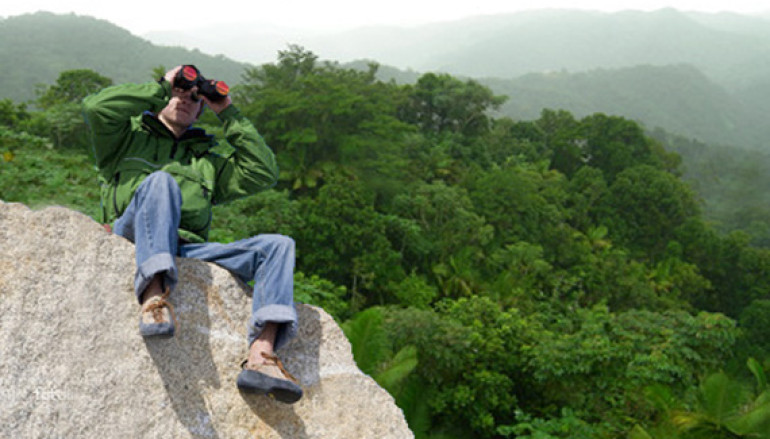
158, 336
254, 382
160, 331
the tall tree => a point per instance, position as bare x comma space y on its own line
61, 118
71, 87
320, 116
441, 103
644, 208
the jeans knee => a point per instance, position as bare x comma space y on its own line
274, 242
162, 180
283, 241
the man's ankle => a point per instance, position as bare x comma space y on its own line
155, 288
256, 350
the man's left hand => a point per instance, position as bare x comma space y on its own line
217, 106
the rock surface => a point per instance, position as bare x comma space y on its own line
73, 365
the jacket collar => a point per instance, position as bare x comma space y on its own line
151, 122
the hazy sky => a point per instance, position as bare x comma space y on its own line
140, 16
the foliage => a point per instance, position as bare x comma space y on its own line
521, 202
318, 117
484, 363
441, 103
754, 322
737, 272
727, 179
446, 220
11, 115
725, 407
320, 292
415, 291
348, 241
71, 87
566, 426
39, 176
646, 206
368, 340
270, 211
61, 120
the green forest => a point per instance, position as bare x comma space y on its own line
501, 278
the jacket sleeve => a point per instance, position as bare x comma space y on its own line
108, 116
251, 167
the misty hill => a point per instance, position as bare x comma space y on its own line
253, 42
729, 48
678, 98
35, 48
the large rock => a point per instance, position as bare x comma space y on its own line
72, 363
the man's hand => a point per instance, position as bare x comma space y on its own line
171, 74
217, 106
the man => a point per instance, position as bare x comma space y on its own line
159, 180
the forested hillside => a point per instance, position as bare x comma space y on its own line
678, 98
502, 278
35, 48
731, 183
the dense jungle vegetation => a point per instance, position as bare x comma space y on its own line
548, 278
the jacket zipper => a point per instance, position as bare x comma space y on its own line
173, 148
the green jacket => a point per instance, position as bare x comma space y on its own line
130, 143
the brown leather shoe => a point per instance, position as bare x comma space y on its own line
157, 319
269, 378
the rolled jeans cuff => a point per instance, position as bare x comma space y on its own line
159, 263
284, 315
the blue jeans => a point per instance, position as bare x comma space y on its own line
151, 221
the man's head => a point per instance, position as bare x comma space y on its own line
181, 111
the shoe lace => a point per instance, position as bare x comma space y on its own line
156, 307
272, 360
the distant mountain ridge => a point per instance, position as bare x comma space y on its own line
35, 48
677, 98
729, 48
580, 41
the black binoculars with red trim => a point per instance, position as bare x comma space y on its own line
189, 76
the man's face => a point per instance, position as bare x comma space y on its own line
181, 110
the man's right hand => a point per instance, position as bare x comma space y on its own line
171, 74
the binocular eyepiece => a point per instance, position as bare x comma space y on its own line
189, 76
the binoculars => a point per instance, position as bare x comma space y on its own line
189, 76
